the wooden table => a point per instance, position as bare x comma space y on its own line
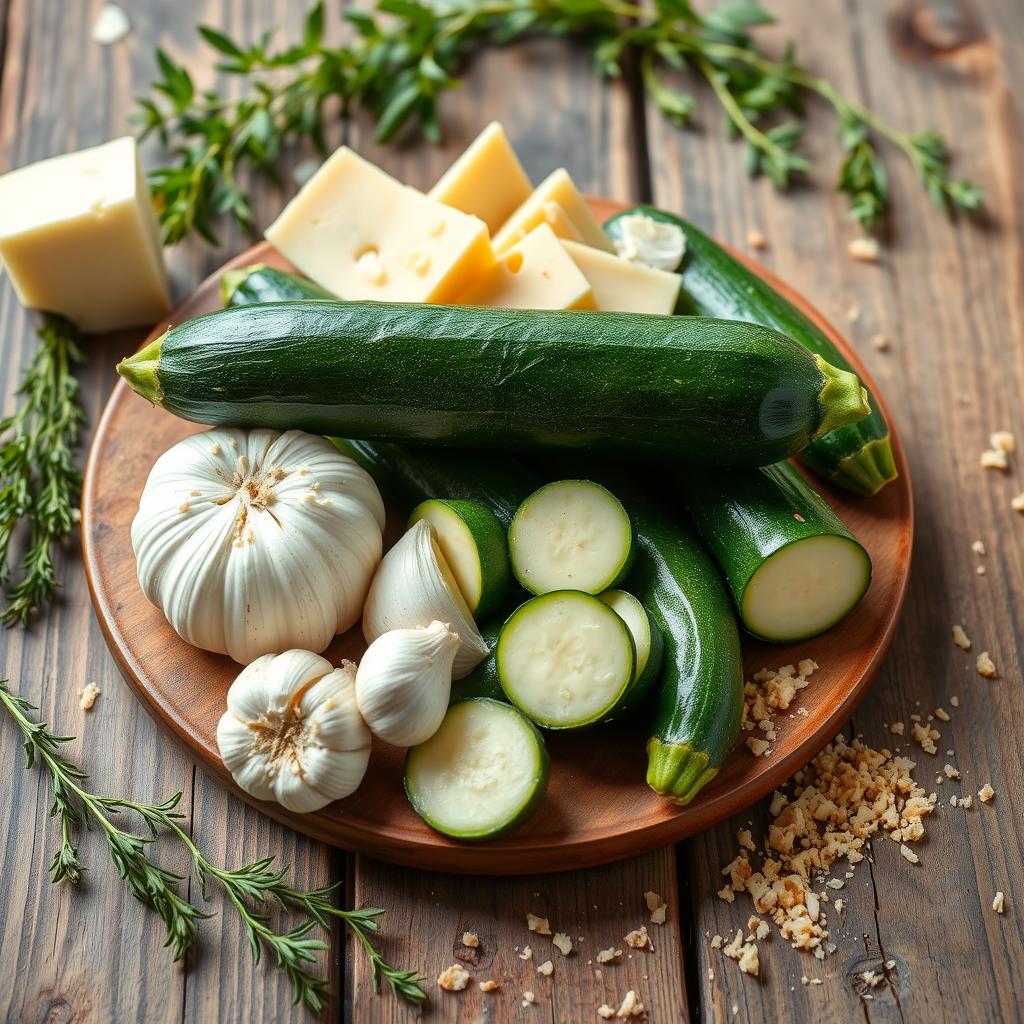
949, 296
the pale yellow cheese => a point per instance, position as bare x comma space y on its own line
558, 188
487, 181
560, 223
625, 287
363, 235
536, 273
78, 236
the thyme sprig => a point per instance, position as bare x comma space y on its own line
40, 484
401, 57
249, 888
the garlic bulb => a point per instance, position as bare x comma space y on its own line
414, 587
254, 542
292, 731
650, 242
404, 681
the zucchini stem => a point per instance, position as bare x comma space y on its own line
232, 280
676, 771
140, 371
842, 398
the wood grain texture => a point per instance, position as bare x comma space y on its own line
948, 296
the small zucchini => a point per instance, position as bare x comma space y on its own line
793, 567
481, 774
856, 456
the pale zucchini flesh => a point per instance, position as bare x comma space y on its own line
571, 535
805, 588
565, 659
481, 774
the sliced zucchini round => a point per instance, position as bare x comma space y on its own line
565, 659
805, 588
647, 638
571, 534
475, 547
482, 773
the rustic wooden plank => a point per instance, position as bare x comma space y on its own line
95, 953
948, 297
427, 915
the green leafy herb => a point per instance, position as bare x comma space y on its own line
402, 57
39, 482
248, 888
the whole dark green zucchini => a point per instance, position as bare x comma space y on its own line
699, 697
857, 456
793, 567
707, 390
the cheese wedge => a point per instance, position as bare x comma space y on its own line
361, 234
558, 188
624, 287
78, 236
487, 181
536, 273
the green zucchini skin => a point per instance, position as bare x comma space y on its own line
744, 517
483, 681
708, 390
857, 456
258, 283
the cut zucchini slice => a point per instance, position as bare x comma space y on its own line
647, 639
805, 588
565, 659
571, 534
482, 773
475, 547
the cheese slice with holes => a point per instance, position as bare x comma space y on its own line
624, 287
487, 181
79, 236
557, 188
536, 273
363, 235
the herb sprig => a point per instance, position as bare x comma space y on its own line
248, 888
39, 482
402, 57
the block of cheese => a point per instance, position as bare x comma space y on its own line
536, 273
363, 235
78, 236
624, 287
558, 188
487, 181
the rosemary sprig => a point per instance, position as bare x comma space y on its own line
39, 482
157, 888
402, 56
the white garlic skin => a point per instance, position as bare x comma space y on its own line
292, 732
404, 681
254, 542
414, 587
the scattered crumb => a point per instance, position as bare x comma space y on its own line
908, 854
978, 547
639, 939
880, 342
757, 747
839, 906
528, 998
986, 793
605, 1011
1017, 504
490, 985
716, 942
960, 638
527, 953
538, 924
630, 1006
756, 240
87, 696
986, 666
1003, 441
872, 979
744, 838
998, 902
942, 714
726, 894
111, 26
864, 249
711, 974
853, 313
562, 943
470, 939
657, 906
606, 956
926, 735
767, 693
546, 968
950, 772
954, 702
897, 728
980, 570
994, 458
835, 883
454, 978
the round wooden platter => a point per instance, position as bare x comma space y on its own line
598, 807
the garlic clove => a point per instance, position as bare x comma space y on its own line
413, 587
404, 682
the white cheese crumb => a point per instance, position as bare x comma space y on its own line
986, 666
986, 793
978, 547
756, 239
1003, 441
470, 939
954, 702
87, 696
942, 714
562, 943
538, 924
657, 906
716, 942
744, 838
111, 26
1017, 504
650, 243
872, 979
950, 771
994, 458
897, 728
998, 902
606, 956
527, 953
528, 998
757, 747
864, 249
908, 854
639, 939
960, 638
606, 1011
546, 968
490, 985
454, 978
630, 1006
